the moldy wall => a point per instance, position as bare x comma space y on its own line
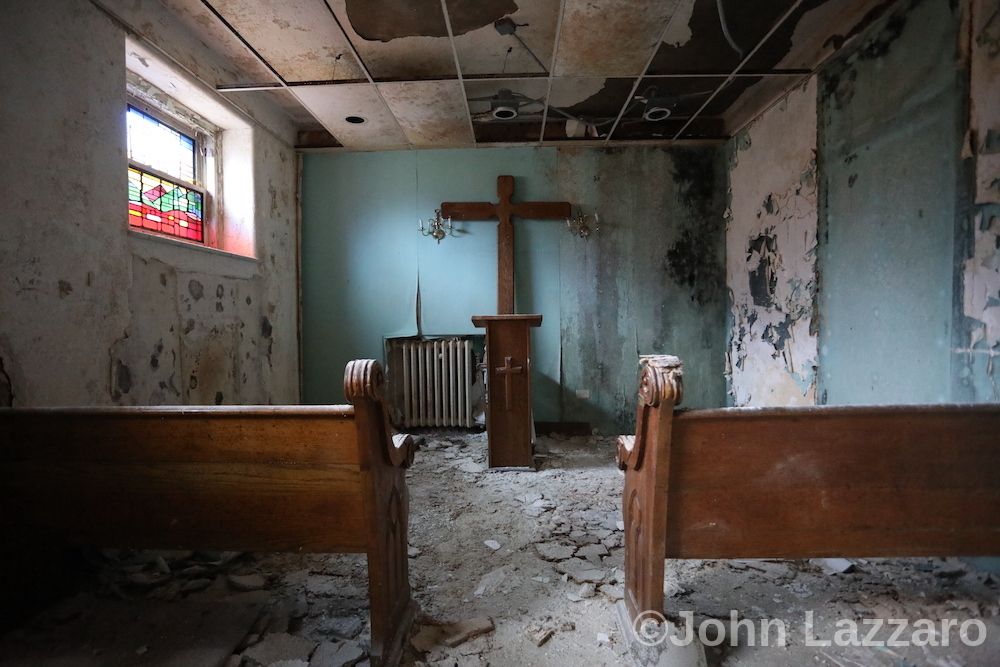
650, 281
91, 312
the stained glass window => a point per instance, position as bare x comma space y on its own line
161, 196
157, 145
159, 205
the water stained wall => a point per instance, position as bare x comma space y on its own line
771, 256
650, 281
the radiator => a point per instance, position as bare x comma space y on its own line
437, 382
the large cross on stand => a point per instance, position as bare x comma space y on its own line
508, 339
504, 210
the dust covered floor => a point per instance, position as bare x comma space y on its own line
509, 568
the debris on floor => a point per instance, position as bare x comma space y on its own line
511, 568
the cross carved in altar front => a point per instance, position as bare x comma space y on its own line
506, 371
504, 210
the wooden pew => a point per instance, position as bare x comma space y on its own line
806, 482
280, 479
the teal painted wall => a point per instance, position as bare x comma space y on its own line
651, 281
890, 136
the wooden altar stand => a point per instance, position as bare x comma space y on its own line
508, 409
508, 336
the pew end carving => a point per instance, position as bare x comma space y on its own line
803, 482
325, 479
384, 468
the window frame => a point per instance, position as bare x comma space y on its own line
202, 140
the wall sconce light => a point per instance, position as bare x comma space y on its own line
580, 225
437, 227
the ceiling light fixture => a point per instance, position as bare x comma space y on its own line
504, 105
655, 112
437, 227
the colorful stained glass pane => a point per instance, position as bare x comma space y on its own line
157, 145
159, 205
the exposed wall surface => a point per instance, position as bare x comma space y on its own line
977, 337
771, 256
891, 126
91, 312
649, 282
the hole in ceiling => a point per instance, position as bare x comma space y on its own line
356, 120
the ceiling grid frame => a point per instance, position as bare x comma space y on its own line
750, 54
727, 114
552, 69
458, 71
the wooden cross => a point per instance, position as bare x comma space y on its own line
506, 371
504, 210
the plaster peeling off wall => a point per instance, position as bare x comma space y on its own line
981, 275
771, 256
91, 313
979, 338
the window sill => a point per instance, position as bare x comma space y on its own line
189, 256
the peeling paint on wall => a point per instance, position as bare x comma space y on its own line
982, 283
978, 334
771, 256
93, 313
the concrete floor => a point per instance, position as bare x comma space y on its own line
536, 554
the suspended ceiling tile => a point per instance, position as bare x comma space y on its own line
481, 47
332, 104
696, 44
610, 37
291, 106
431, 113
815, 31
594, 104
299, 38
398, 39
210, 30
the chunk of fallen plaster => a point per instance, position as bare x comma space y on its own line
834, 565
554, 551
247, 582
491, 582
593, 552
341, 654
463, 631
280, 646
492, 544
